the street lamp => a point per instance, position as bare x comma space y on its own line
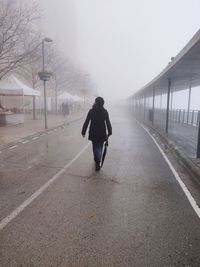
44, 76
84, 91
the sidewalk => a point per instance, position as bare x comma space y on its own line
13, 133
181, 140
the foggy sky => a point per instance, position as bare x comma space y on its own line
122, 44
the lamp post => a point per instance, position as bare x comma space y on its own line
84, 91
44, 76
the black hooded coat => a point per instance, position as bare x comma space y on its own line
99, 120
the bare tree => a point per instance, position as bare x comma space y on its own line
31, 65
17, 21
61, 69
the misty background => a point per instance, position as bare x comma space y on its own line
122, 45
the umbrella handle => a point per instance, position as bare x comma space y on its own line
106, 143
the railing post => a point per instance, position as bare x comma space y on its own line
168, 99
183, 116
198, 117
160, 101
179, 116
192, 120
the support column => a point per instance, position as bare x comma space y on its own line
189, 101
153, 105
34, 113
171, 103
161, 101
56, 100
138, 107
134, 105
45, 106
144, 106
198, 140
167, 110
23, 104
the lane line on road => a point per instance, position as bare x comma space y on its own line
12, 147
25, 142
26, 203
34, 138
176, 175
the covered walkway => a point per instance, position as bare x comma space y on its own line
154, 101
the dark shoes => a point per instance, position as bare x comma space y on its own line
98, 167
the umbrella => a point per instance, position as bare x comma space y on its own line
104, 152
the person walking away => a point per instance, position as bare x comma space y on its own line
67, 109
63, 109
100, 128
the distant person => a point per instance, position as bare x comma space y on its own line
63, 109
98, 118
71, 108
1, 107
66, 109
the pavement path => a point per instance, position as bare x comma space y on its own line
12, 133
131, 213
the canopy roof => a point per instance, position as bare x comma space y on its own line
183, 71
78, 98
14, 87
67, 96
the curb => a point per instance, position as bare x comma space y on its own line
10, 144
184, 160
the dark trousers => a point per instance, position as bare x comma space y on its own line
97, 151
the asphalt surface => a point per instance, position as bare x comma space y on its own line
131, 213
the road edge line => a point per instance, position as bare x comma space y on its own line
176, 175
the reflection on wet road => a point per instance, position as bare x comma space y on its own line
131, 213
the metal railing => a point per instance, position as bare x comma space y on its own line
183, 116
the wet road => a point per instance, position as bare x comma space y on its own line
131, 213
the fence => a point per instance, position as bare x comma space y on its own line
183, 116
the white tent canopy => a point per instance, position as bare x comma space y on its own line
14, 87
78, 98
66, 96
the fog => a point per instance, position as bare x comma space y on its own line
122, 45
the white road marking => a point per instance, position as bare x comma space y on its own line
181, 183
1, 152
12, 147
42, 135
34, 138
25, 142
35, 195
